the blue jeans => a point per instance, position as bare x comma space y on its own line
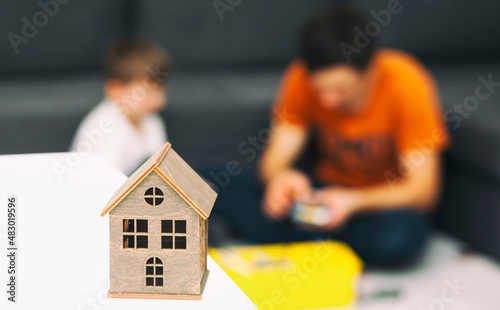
382, 239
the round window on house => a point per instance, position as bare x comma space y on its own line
154, 196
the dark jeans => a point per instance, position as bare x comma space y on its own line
382, 239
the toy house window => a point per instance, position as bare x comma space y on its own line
154, 196
154, 272
173, 235
135, 234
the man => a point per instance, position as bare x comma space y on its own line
379, 134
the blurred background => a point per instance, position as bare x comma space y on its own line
227, 69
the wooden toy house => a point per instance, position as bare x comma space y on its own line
158, 222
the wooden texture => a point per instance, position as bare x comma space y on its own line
163, 296
186, 197
127, 266
178, 174
136, 178
194, 187
154, 296
181, 193
203, 244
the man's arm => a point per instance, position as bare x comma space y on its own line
418, 189
285, 146
283, 184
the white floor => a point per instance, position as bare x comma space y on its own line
445, 279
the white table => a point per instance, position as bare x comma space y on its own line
62, 241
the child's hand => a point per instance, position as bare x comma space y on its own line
282, 191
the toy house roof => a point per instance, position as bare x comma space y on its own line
178, 174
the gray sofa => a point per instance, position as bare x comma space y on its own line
227, 70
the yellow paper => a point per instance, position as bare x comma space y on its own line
303, 275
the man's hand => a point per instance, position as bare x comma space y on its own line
282, 190
343, 203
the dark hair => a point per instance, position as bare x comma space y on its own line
326, 35
134, 57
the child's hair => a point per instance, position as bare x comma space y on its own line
133, 57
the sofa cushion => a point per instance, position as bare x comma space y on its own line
440, 28
213, 113
473, 121
209, 113
41, 114
255, 31
56, 34
204, 104
470, 210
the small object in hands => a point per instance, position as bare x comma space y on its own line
311, 214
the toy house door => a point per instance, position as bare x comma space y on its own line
154, 272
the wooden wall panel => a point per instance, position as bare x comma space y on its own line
181, 267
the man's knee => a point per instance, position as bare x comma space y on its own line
401, 240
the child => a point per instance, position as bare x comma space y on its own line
125, 122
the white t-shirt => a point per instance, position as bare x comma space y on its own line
107, 132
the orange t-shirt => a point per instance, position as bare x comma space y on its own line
402, 114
